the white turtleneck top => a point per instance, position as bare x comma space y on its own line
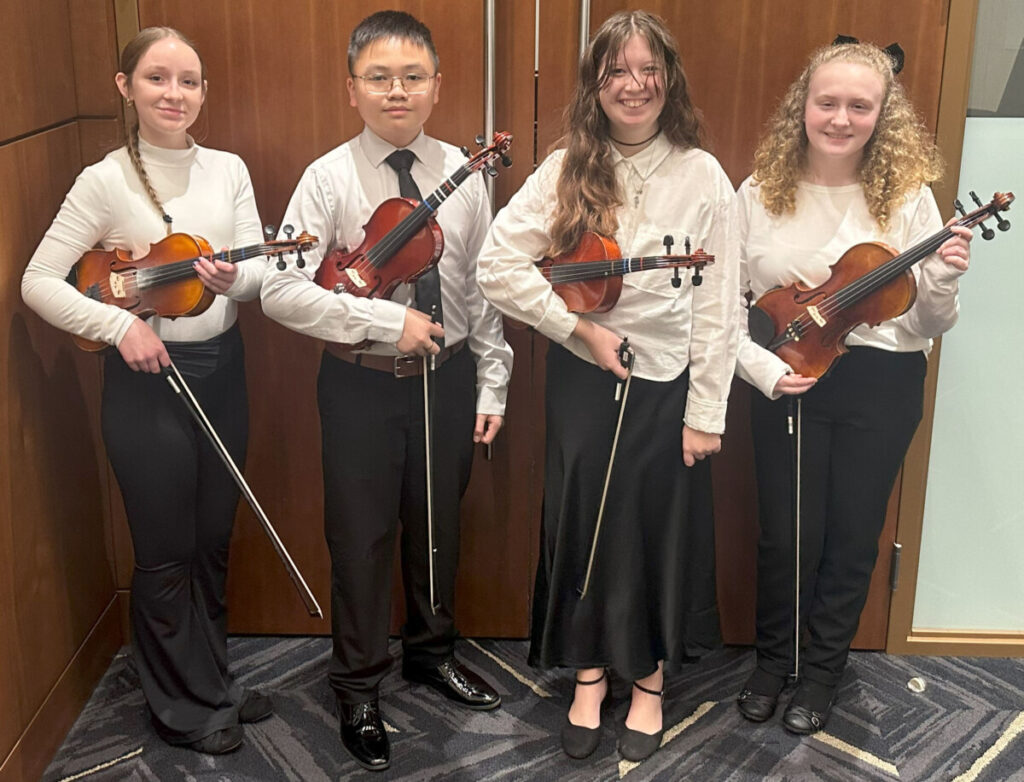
205, 191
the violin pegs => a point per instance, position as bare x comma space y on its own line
491, 171
668, 241
280, 264
958, 206
697, 279
464, 150
974, 197
676, 280
270, 231
480, 139
300, 262
1002, 223
686, 248
288, 229
506, 161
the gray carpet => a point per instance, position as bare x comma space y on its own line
966, 725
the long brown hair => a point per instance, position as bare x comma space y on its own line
587, 192
130, 56
898, 158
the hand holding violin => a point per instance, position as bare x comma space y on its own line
216, 275
956, 251
792, 383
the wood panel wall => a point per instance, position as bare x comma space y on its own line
57, 623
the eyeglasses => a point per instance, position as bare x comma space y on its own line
382, 84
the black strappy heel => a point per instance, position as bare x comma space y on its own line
635, 745
580, 742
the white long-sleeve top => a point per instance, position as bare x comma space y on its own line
803, 245
665, 191
334, 199
206, 192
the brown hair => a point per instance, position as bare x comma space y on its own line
587, 191
130, 56
898, 158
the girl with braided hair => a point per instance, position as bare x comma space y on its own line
180, 501
844, 161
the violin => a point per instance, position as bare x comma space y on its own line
870, 283
164, 281
402, 239
589, 277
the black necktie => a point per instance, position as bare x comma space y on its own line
428, 287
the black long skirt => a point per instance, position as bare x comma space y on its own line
652, 589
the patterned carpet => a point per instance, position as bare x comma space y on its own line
966, 725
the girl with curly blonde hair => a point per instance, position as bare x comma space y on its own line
844, 161
633, 169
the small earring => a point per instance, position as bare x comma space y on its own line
129, 103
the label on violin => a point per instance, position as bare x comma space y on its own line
816, 316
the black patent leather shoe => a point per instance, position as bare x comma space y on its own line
803, 721
756, 708
455, 682
363, 735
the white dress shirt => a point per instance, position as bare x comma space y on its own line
665, 190
334, 199
205, 191
803, 245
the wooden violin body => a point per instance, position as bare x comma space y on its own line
870, 283
816, 345
402, 238
163, 282
397, 247
589, 277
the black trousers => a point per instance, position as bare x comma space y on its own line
180, 502
857, 425
375, 477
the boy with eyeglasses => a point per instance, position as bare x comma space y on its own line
371, 400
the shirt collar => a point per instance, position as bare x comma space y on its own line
646, 160
377, 149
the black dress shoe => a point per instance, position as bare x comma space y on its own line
219, 742
255, 706
634, 744
803, 721
756, 708
363, 735
578, 741
455, 682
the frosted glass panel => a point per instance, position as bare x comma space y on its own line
971, 574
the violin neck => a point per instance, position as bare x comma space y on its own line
582, 271
181, 270
395, 239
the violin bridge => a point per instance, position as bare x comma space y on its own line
116, 285
816, 316
355, 277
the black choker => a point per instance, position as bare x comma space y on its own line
635, 143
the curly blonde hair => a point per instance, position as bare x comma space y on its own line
898, 158
587, 191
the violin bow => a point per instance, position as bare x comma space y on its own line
184, 393
429, 365
626, 357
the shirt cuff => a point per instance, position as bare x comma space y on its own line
705, 415
387, 321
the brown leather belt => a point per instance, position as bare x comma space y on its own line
399, 366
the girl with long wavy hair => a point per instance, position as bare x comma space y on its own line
633, 169
179, 499
844, 161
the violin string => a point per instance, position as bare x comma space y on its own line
561, 273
